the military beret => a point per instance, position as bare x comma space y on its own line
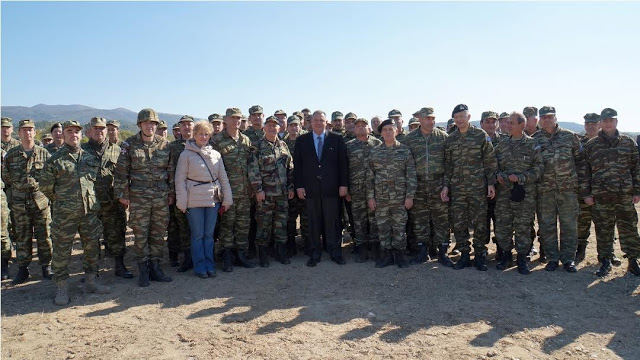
395, 112
385, 123
489, 115
26, 123
148, 115
336, 115
547, 110
280, 112
255, 109
271, 119
7, 122
530, 111
504, 115
187, 118
214, 116
591, 118
459, 108
426, 111
98, 121
350, 115
162, 125
293, 119
413, 121
115, 123
233, 112
47, 137
361, 120
175, 126
608, 113
71, 123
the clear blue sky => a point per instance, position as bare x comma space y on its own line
198, 58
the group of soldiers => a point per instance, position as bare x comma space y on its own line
408, 191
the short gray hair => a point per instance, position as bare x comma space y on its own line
520, 116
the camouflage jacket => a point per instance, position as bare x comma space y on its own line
68, 181
612, 166
391, 173
521, 158
176, 147
496, 139
271, 168
107, 155
470, 161
8, 145
254, 135
358, 153
21, 173
143, 168
428, 153
562, 159
236, 155
52, 148
401, 135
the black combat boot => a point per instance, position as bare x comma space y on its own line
46, 272
480, 262
375, 251
570, 267
5, 268
22, 276
263, 256
615, 261
465, 261
551, 266
143, 277
155, 272
581, 252
386, 259
398, 258
173, 258
227, 260
121, 270
505, 261
421, 256
292, 247
361, 253
523, 264
499, 253
605, 268
251, 251
244, 262
443, 258
634, 267
282, 254
187, 262
433, 251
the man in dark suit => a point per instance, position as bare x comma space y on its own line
321, 176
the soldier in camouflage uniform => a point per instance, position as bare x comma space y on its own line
162, 130
364, 222
557, 190
396, 117
470, 176
392, 187
112, 215
46, 140
375, 123
281, 116
613, 187
8, 142
175, 130
218, 127
347, 134
504, 126
488, 123
113, 129
531, 113
255, 134
519, 167
349, 126
4, 225
29, 206
271, 176
236, 151
296, 205
142, 184
414, 124
431, 214
178, 231
68, 181
58, 138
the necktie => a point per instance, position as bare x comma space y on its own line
319, 147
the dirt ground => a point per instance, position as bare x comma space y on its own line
330, 311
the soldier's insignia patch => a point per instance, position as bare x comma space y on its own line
489, 138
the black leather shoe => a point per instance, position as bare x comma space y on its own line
581, 253
312, 262
338, 260
227, 260
465, 261
551, 266
605, 269
211, 274
570, 266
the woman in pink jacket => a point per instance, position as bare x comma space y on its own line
202, 187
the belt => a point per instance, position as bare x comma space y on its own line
152, 183
203, 182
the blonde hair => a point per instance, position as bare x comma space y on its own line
202, 126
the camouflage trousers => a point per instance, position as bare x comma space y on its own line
114, 224
584, 223
514, 218
554, 207
391, 217
297, 208
469, 209
234, 225
431, 217
66, 224
364, 220
616, 211
4, 227
30, 221
178, 231
148, 218
271, 220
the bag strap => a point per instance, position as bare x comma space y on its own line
205, 164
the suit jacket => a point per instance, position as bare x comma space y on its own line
320, 178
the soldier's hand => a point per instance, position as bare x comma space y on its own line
513, 178
636, 199
500, 180
260, 196
408, 203
124, 202
291, 194
372, 204
491, 191
171, 200
301, 193
342, 190
444, 194
348, 197
589, 200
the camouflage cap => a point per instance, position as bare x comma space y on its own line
147, 115
414, 121
298, 114
293, 119
255, 109
337, 115
71, 123
98, 121
175, 126
591, 118
215, 119
459, 108
416, 114
185, 118
26, 123
395, 112
280, 112
426, 111
489, 115
47, 137
271, 119
233, 112
504, 115
162, 125
115, 123
244, 118
385, 123
214, 116
608, 113
7, 122
530, 111
547, 110
361, 120
350, 115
